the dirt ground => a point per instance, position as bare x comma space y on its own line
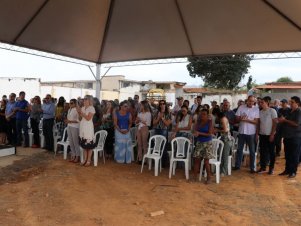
41, 190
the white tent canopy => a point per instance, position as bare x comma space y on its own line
104, 31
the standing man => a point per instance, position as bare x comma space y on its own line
22, 109
10, 116
282, 112
230, 115
198, 103
267, 130
48, 109
291, 126
247, 116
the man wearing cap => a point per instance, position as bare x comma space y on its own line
178, 106
283, 111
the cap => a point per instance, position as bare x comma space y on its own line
284, 101
225, 99
180, 98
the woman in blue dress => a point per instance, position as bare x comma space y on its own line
122, 124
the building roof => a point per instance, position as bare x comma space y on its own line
280, 85
204, 90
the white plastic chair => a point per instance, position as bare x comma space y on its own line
155, 150
99, 149
230, 157
64, 142
246, 152
218, 147
133, 141
180, 148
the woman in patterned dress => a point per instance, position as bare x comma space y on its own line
203, 149
86, 129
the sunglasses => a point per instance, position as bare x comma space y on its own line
71, 103
162, 103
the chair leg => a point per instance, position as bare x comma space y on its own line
81, 153
187, 170
217, 174
201, 170
174, 168
142, 164
149, 164
170, 168
95, 155
65, 151
229, 165
156, 167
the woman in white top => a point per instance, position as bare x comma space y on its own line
184, 122
143, 121
72, 122
86, 129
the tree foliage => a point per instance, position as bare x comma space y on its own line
221, 72
285, 79
249, 83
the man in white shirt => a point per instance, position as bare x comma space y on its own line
267, 130
198, 103
247, 116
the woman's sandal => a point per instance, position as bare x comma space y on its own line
76, 160
88, 163
72, 159
83, 163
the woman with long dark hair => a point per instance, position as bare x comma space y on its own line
161, 124
108, 125
224, 131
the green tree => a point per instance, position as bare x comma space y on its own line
249, 83
221, 72
285, 79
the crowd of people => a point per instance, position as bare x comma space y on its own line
255, 120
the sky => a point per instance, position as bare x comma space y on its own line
13, 64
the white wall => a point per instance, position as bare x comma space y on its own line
31, 86
66, 92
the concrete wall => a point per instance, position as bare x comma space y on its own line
111, 83
66, 92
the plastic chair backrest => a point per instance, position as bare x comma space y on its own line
180, 146
65, 135
156, 145
100, 138
218, 147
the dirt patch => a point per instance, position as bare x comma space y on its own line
47, 191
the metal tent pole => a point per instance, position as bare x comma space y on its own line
98, 82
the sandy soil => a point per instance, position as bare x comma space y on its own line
42, 190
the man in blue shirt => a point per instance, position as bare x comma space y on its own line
11, 120
21, 109
48, 109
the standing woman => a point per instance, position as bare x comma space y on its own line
203, 149
122, 124
161, 124
72, 122
108, 125
35, 118
86, 129
143, 121
224, 130
59, 114
3, 123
